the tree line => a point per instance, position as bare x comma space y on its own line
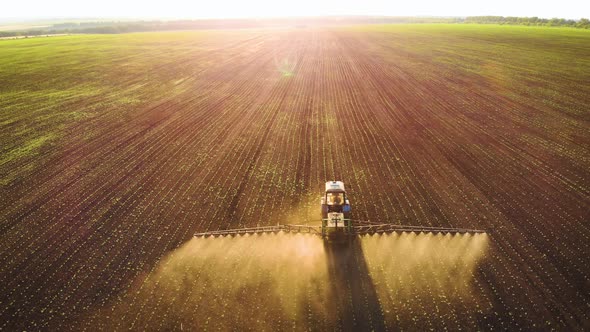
583, 23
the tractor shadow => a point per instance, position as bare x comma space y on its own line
353, 303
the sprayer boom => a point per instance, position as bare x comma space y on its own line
355, 230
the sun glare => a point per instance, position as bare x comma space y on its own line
178, 9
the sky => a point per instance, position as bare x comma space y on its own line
187, 9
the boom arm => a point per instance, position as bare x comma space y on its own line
358, 228
264, 229
390, 228
361, 227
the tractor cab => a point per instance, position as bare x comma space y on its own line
336, 224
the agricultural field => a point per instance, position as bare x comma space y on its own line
116, 149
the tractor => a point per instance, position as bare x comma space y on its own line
337, 224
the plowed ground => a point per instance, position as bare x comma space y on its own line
116, 149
